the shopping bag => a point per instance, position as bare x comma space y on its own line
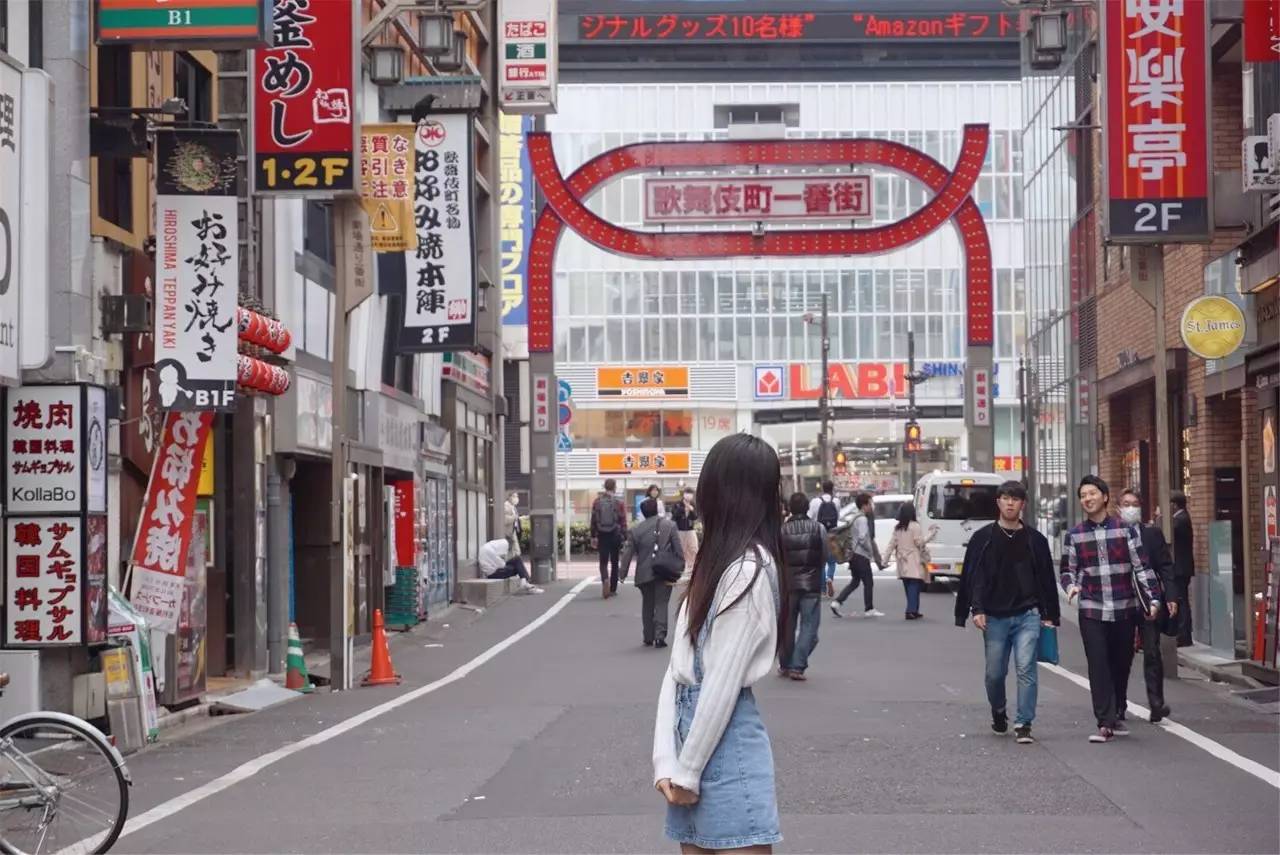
1047, 649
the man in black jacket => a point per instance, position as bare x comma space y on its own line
1184, 563
1009, 585
804, 546
645, 541
1157, 550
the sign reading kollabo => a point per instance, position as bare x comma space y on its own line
1212, 327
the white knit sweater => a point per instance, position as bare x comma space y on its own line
739, 652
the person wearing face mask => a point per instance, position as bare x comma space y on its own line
1157, 549
684, 515
654, 492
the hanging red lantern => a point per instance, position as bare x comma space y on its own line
257, 328
261, 376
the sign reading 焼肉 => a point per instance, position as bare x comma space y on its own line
1155, 73
440, 276
197, 269
55, 449
164, 528
758, 198
303, 105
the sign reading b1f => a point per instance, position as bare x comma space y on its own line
1156, 93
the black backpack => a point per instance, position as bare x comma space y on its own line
606, 515
828, 515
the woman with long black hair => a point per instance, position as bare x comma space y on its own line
711, 754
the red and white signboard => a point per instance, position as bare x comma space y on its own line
528, 57
55, 449
1157, 124
44, 596
164, 528
981, 398
541, 403
1262, 31
303, 93
758, 198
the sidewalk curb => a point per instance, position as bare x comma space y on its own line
1215, 668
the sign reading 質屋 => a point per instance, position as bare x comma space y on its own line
55, 449
643, 381
164, 528
197, 269
758, 198
10, 220
1156, 120
225, 24
386, 186
303, 105
528, 62
440, 275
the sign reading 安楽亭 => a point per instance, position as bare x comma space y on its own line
657, 381
1212, 327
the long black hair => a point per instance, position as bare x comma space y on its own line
906, 516
738, 494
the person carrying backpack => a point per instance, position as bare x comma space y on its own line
825, 508
608, 529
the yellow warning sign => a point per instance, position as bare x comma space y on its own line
383, 220
386, 186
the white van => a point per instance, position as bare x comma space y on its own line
958, 503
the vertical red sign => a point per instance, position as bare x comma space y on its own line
304, 123
1262, 31
1156, 120
406, 517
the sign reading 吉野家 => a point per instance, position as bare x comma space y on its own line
386, 186
55, 449
440, 277
633, 381
10, 219
643, 462
758, 198
515, 213
528, 59
44, 581
164, 528
1156, 120
303, 100
224, 24
197, 269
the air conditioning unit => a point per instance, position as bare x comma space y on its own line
1273, 140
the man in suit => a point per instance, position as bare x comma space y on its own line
1184, 563
1157, 551
655, 593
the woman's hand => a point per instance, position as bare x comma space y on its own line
676, 795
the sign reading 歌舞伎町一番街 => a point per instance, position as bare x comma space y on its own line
1155, 68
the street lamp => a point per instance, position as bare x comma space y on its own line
456, 60
1048, 38
824, 401
435, 34
386, 64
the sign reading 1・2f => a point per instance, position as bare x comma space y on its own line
303, 101
1156, 121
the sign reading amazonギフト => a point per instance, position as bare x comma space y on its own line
1212, 327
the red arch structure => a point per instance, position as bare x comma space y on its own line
951, 201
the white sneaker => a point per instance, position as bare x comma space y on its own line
534, 589
835, 609
873, 613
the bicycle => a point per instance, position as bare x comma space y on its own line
63, 786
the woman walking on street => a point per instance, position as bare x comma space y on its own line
711, 754
685, 515
909, 547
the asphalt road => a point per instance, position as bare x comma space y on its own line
545, 747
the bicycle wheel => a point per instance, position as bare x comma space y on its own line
61, 788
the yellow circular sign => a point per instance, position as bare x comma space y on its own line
1212, 327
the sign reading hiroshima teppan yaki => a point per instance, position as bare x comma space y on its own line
440, 275
197, 269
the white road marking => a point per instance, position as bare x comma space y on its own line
253, 767
1204, 743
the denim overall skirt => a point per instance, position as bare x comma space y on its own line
737, 806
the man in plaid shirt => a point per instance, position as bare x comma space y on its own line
1101, 557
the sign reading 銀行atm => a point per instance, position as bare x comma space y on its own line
223, 24
1156, 121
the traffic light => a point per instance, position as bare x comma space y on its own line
841, 462
914, 442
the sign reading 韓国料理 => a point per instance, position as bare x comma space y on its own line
44, 596
55, 449
303, 100
1155, 93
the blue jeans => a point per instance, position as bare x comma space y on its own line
1020, 635
912, 587
806, 612
831, 569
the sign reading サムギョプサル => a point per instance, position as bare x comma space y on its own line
197, 269
1155, 91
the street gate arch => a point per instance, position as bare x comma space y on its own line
951, 202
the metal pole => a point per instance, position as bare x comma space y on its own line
337, 518
568, 521
1163, 456
1022, 414
278, 529
824, 402
911, 401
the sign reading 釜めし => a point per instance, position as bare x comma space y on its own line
528, 60
643, 462
1212, 327
44, 581
386, 186
10, 219
440, 276
1155, 74
225, 24
657, 381
303, 105
197, 269
758, 198
55, 449
164, 528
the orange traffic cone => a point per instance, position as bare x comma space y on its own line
380, 671
296, 677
